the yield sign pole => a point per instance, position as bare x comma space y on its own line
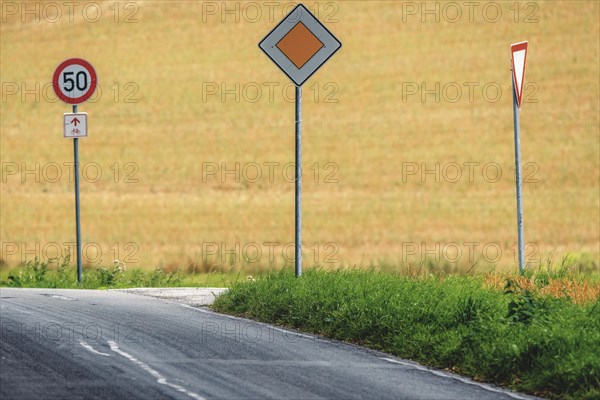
519, 57
517, 128
299, 45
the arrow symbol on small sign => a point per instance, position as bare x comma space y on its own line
75, 121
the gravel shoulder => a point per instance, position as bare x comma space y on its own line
193, 296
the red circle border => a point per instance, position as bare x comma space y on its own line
65, 64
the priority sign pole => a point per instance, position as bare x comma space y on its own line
74, 82
298, 204
299, 45
518, 61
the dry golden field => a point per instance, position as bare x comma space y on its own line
185, 91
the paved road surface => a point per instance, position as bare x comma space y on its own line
84, 344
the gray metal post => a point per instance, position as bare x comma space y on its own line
77, 220
298, 205
517, 124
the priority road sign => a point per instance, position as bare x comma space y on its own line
74, 81
299, 45
519, 58
75, 125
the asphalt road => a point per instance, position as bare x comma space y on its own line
83, 344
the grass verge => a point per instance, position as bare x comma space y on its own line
61, 274
515, 337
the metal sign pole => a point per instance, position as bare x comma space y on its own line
298, 205
298, 38
517, 125
77, 220
68, 76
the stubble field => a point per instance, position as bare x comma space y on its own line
186, 95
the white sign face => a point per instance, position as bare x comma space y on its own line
519, 57
75, 125
299, 45
74, 81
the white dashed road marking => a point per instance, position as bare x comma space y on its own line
159, 378
90, 348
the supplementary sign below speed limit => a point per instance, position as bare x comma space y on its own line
75, 125
74, 81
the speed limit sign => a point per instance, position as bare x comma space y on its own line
74, 81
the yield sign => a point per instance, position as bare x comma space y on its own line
519, 57
299, 45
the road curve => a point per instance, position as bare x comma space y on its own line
92, 344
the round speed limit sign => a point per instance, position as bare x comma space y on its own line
74, 81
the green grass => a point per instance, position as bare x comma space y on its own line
513, 337
38, 274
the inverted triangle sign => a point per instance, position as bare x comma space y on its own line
519, 58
